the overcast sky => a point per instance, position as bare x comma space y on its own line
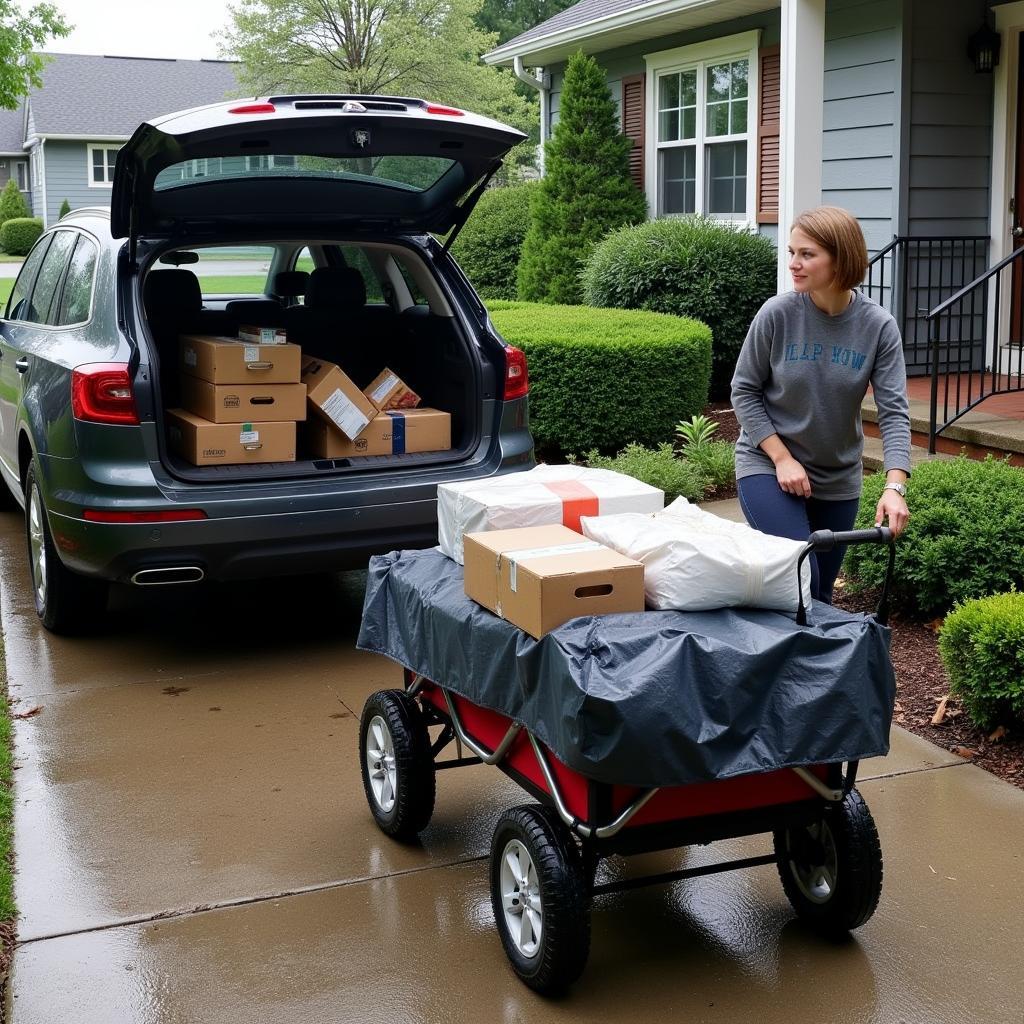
142, 28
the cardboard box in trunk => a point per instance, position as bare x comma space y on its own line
253, 335
230, 361
222, 444
390, 433
243, 403
335, 397
388, 391
541, 576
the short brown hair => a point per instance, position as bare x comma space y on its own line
838, 231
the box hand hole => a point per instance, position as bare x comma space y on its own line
598, 590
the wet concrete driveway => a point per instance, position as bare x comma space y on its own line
193, 845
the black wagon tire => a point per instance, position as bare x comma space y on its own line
832, 870
66, 602
540, 898
396, 764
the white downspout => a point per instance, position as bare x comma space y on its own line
542, 85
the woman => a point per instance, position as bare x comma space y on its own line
800, 379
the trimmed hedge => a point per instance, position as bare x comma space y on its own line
689, 266
982, 647
965, 538
488, 247
12, 203
19, 234
660, 467
603, 378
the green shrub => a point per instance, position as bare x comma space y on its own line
659, 467
690, 266
17, 236
964, 540
65, 209
601, 378
488, 247
12, 203
586, 190
716, 460
982, 647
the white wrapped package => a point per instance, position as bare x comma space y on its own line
696, 561
539, 497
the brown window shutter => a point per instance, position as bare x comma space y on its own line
633, 124
769, 110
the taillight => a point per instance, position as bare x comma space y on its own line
433, 108
253, 108
102, 393
517, 380
178, 515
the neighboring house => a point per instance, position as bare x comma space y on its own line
13, 161
752, 110
69, 131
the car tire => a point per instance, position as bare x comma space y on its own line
66, 602
396, 764
540, 898
831, 870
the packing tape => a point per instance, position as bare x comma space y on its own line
397, 433
577, 500
514, 557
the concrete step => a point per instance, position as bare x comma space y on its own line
873, 455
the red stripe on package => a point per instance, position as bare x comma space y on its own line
577, 500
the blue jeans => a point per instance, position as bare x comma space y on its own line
768, 508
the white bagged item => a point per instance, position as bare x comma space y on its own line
696, 561
539, 497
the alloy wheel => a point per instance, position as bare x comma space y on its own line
37, 545
520, 898
380, 764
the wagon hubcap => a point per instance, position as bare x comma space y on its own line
37, 546
380, 764
520, 899
816, 878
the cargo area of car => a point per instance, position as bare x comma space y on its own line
330, 313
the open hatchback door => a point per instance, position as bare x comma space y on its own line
360, 162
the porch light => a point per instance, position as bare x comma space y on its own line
983, 49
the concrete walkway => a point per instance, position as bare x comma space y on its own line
193, 845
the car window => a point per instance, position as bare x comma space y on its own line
18, 303
235, 269
355, 257
49, 278
304, 262
410, 282
76, 298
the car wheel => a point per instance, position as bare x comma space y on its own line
832, 869
66, 601
540, 898
396, 764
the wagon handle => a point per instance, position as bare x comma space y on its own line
826, 540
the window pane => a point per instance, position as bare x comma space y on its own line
668, 126
726, 177
738, 125
739, 80
49, 277
669, 91
355, 257
690, 123
97, 165
76, 299
718, 82
688, 83
234, 269
718, 119
678, 179
18, 305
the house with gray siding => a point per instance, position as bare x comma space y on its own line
13, 161
71, 128
753, 110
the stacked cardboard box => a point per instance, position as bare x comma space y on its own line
240, 401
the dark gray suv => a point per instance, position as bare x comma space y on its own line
343, 197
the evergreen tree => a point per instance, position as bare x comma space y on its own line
65, 209
12, 203
586, 190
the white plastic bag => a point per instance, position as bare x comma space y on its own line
696, 561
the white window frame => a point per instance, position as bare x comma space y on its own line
108, 169
742, 46
21, 175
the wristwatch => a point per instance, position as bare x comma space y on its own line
893, 485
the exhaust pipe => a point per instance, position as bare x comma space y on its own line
168, 575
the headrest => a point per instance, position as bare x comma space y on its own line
172, 294
259, 312
290, 284
335, 288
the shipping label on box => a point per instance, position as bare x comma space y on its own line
240, 403
231, 361
223, 444
262, 335
388, 391
335, 397
541, 576
390, 433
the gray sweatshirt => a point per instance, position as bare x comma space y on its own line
803, 374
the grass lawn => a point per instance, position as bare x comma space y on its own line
5, 289
7, 258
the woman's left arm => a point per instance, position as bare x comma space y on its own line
889, 387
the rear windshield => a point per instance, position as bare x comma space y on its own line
410, 173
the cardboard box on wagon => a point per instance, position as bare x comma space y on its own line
335, 397
230, 361
242, 403
541, 576
388, 391
221, 444
390, 433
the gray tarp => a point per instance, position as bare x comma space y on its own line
647, 698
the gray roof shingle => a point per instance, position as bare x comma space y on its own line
10, 130
91, 95
579, 14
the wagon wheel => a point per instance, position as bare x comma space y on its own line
540, 898
832, 869
396, 764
